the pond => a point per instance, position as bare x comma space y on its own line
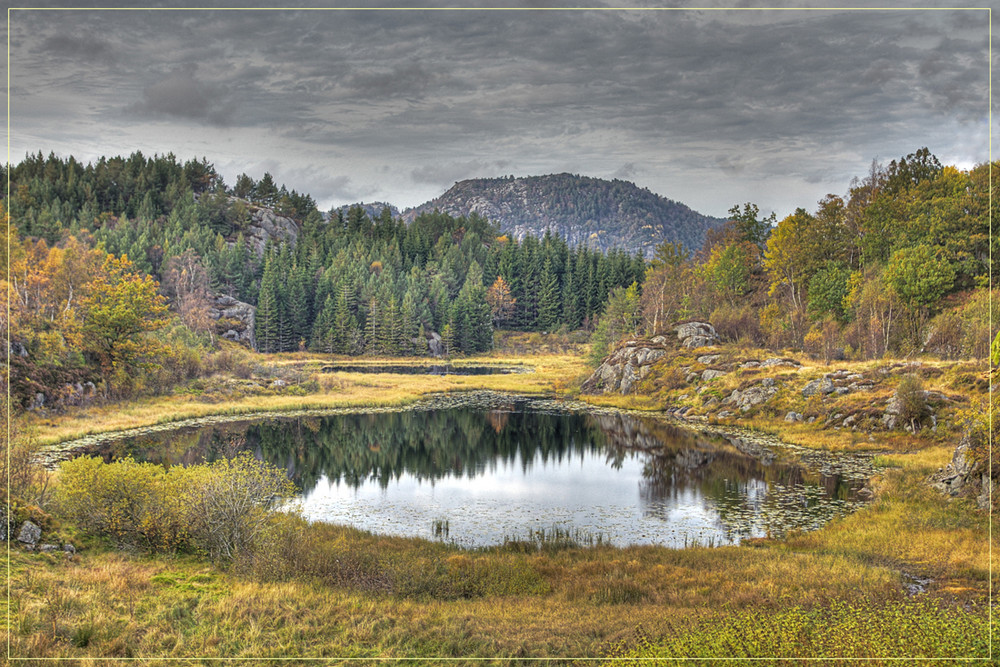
433, 369
478, 471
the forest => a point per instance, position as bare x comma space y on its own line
115, 268
899, 266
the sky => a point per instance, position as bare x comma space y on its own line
707, 107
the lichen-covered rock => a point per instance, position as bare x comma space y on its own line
265, 225
821, 386
711, 374
696, 334
962, 476
237, 317
755, 395
708, 359
779, 361
29, 533
624, 367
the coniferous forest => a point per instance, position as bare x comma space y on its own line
154, 243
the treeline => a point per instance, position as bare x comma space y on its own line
346, 283
356, 285
897, 266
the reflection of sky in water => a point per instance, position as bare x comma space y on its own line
510, 498
512, 469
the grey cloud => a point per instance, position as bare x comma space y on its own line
410, 79
180, 94
625, 172
71, 46
446, 174
735, 95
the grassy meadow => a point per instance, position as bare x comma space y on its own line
906, 577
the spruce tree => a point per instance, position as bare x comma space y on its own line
267, 318
549, 298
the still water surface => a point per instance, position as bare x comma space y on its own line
512, 466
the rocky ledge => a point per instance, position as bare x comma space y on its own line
962, 477
626, 366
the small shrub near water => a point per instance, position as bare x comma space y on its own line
222, 508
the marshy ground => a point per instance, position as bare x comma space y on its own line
907, 576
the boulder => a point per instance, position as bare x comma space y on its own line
29, 534
754, 395
235, 311
822, 386
793, 416
625, 367
436, 344
711, 375
708, 359
779, 361
962, 476
696, 334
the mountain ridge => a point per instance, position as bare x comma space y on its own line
597, 213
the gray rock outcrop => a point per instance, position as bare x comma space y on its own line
436, 344
696, 334
29, 534
265, 225
963, 477
751, 396
236, 318
624, 367
821, 386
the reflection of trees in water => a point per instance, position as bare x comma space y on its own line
740, 487
463, 442
355, 448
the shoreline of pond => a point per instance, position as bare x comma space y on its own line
748, 440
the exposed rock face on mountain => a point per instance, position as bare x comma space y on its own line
266, 225
585, 211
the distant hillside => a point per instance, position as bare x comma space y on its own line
586, 211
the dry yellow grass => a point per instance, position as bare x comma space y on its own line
552, 374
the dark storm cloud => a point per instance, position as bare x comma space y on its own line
675, 100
